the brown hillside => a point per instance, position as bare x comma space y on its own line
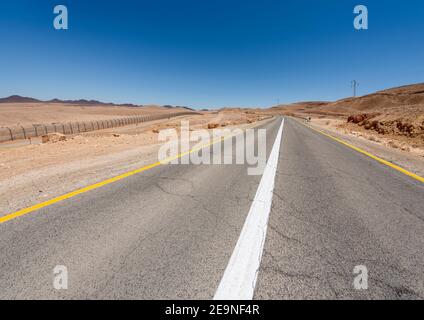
397, 111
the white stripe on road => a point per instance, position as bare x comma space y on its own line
239, 280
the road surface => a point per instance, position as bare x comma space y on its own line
169, 232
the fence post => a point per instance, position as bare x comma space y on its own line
23, 130
11, 134
35, 128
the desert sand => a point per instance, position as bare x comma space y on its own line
31, 171
392, 118
12, 114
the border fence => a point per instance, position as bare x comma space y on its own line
38, 130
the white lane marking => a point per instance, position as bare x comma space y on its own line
239, 280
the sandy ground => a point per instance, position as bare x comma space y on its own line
12, 114
402, 153
32, 173
388, 123
395, 114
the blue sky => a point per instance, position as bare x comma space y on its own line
208, 53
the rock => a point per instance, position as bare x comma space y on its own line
45, 138
360, 118
393, 144
155, 130
53, 137
116, 135
213, 125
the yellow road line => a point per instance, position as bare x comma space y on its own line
33, 208
385, 162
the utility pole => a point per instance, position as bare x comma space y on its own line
355, 84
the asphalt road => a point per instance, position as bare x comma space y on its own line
169, 232
334, 209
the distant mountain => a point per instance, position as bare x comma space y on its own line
177, 107
82, 102
183, 107
18, 99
